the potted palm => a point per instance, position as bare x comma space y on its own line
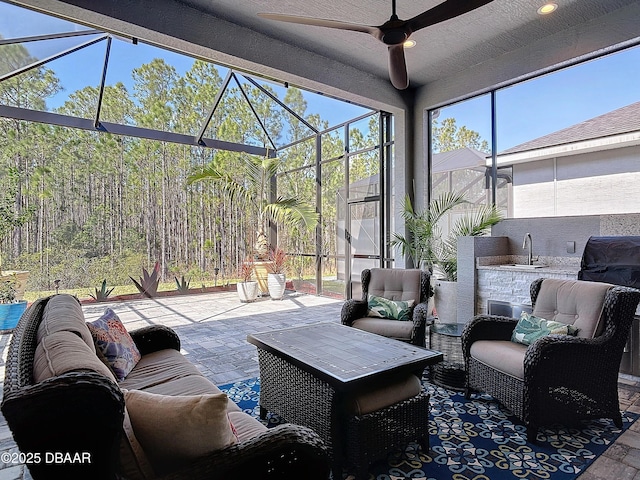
430, 249
276, 277
11, 309
247, 288
251, 186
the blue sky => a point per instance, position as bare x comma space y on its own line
84, 67
525, 111
554, 101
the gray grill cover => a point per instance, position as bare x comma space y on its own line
613, 260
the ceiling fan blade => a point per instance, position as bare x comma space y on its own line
445, 11
398, 67
321, 22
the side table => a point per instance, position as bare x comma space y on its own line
446, 338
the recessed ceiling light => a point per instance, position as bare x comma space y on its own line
409, 44
547, 8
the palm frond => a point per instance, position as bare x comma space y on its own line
425, 243
292, 210
226, 182
443, 204
478, 223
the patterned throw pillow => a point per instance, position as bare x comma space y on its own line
115, 343
384, 308
530, 328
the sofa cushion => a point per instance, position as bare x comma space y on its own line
530, 328
392, 309
502, 355
246, 426
64, 313
189, 385
115, 343
175, 430
373, 399
157, 368
578, 303
381, 326
62, 352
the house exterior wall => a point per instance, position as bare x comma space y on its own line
595, 183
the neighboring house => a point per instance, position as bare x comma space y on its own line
590, 168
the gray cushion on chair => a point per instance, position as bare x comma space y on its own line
577, 303
502, 355
395, 284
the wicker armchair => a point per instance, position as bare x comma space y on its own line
558, 379
393, 284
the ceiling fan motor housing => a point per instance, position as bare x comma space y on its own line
394, 36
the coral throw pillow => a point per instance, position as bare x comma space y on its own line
115, 343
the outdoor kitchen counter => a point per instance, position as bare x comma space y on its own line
569, 270
569, 266
499, 279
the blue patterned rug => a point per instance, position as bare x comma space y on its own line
476, 440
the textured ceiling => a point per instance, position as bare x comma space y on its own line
442, 50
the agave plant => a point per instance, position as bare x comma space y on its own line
148, 284
182, 285
251, 188
427, 246
103, 293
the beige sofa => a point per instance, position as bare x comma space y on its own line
67, 411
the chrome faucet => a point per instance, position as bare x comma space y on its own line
530, 252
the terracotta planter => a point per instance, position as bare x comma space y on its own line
277, 283
247, 291
10, 313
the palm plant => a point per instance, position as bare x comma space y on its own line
474, 224
425, 243
252, 189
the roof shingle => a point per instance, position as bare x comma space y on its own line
616, 122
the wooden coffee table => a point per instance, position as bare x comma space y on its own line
306, 372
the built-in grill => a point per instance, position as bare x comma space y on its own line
613, 260
616, 260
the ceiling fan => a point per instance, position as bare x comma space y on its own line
394, 32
